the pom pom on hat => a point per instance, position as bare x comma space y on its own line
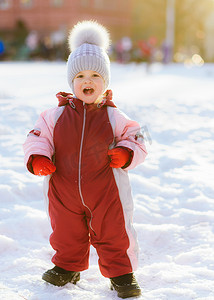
88, 42
89, 32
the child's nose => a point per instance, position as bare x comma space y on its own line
88, 79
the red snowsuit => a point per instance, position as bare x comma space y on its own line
89, 202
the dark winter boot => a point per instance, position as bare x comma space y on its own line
126, 286
58, 276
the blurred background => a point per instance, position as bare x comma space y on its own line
141, 30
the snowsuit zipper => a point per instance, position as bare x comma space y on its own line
80, 164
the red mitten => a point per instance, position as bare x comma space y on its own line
119, 157
42, 166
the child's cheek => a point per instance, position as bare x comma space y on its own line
77, 89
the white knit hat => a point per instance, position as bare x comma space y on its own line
88, 42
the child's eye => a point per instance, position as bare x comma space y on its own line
79, 76
96, 75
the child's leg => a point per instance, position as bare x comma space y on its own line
115, 240
70, 237
116, 245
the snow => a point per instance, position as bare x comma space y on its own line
173, 190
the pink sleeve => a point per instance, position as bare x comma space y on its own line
40, 140
127, 134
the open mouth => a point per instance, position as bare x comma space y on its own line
88, 91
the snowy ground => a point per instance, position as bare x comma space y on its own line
173, 190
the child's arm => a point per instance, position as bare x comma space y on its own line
127, 134
40, 139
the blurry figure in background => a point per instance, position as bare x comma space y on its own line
58, 39
123, 49
46, 47
20, 34
147, 50
167, 52
32, 42
2, 50
53, 46
119, 51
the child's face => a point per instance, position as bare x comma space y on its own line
88, 86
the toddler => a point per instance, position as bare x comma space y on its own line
85, 147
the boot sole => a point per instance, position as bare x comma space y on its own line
50, 279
